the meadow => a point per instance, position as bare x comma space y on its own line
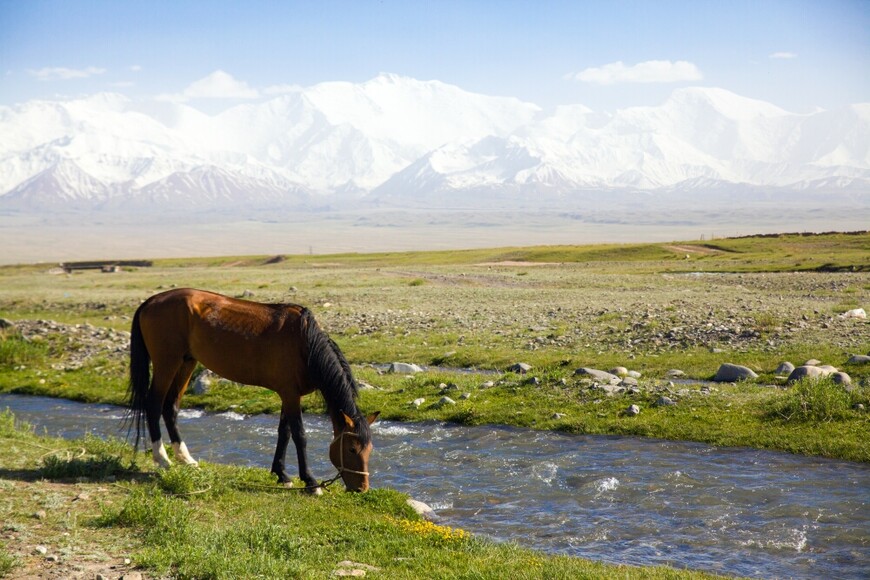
466, 317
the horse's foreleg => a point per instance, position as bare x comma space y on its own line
291, 426
170, 412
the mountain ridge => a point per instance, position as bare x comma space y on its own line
400, 140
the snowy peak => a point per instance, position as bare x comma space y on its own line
398, 138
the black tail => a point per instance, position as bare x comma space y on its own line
330, 371
140, 379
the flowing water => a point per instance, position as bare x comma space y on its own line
625, 500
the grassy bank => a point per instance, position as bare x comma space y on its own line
88, 507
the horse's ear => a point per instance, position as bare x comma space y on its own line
348, 422
373, 417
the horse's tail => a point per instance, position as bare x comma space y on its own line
330, 371
140, 379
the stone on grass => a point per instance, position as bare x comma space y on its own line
731, 373
619, 371
628, 382
634, 374
417, 402
674, 374
5, 323
520, 368
633, 411
422, 509
665, 402
854, 313
202, 383
806, 372
596, 374
858, 359
784, 368
813, 362
841, 378
404, 368
444, 401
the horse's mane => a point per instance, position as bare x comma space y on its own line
330, 371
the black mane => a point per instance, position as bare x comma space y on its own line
330, 371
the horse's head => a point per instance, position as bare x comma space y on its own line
349, 453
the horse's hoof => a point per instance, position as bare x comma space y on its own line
314, 490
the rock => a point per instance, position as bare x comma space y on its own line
633, 411
443, 402
628, 382
363, 386
357, 565
248, 294
634, 374
422, 509
665, 402
404, 368
519, 368
40, 514
812, 363
611, 390
619, 371
674, 374
841, 378
859, 406
487, 385
784, 368
855, 313
465, 396
534, 381
52, 558
417, 402
731, 373
41, 550
131, 576
596, 374
558, 416
858, 359
349, 573
6, 324
202, 383
806, 372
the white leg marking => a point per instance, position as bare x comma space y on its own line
159, 454
183, 455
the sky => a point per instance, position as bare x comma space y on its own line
799, 55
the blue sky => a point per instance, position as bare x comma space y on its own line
606, 54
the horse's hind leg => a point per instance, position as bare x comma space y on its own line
164, 373
170, 410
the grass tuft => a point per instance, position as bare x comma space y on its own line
811, 400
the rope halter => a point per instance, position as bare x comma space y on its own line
341, 468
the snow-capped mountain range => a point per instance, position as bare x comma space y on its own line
400, 141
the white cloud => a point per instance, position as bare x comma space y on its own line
136, 68
783, 54
64, 74
651, 71
217, 85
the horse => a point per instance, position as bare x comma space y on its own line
277, 346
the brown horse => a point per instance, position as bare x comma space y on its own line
277, 346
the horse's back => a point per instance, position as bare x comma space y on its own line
244, 341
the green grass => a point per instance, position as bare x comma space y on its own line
230, 522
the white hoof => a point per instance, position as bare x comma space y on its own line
183, 455
159, 454
317, 491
